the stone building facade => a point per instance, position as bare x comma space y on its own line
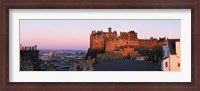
123, 44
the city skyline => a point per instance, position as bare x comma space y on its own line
74, 34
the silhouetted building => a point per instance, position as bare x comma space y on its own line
29, 55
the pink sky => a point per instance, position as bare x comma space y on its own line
74, 34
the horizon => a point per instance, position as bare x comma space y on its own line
63, 49
75, 34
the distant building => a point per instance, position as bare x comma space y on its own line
171, 55
46, 55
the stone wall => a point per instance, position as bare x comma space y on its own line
128, 51
112, 44
97, 38
96, 42
148, 43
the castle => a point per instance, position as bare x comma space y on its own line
124, 44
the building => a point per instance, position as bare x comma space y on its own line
29, 58
29, 53
124, 44
171, 55
46, 55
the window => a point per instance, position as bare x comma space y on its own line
178, 64
166, 65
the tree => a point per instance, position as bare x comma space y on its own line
157, 52
143, 51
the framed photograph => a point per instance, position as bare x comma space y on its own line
93, 45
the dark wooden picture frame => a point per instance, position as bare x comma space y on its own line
100, 4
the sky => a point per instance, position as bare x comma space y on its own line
75, 34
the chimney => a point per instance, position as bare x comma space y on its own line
35, 47
20, 46
109, 29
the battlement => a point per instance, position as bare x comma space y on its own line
111, 35
25, 48
128, 35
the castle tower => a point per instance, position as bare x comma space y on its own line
35, 47
96, 40
109, 30
132, 35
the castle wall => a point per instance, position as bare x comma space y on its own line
147, 43
97, 39
111, 44
127, 51
96, 42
